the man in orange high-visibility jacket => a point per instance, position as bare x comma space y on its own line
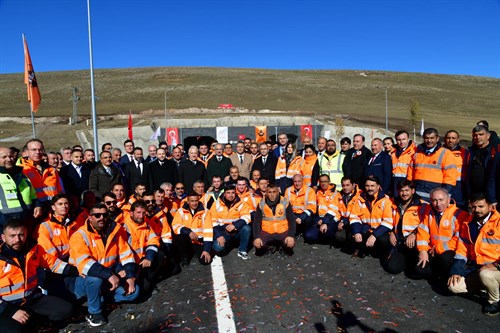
437, 235
302, 198
274, 224
145, 243
20, 297
105, 261
343, 205
324, 226
44, 178
407, 210
231, 221
477, 258
193, 226
432, 166
401, 158
371, 219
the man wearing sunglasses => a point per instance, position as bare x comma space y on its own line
105, 262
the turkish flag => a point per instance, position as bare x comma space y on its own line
172, 136
305, 131
130, 134
260, 134
241, 137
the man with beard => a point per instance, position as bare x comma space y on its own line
162, 170
137, 171
21, 299
330, 163
408, 210
477, 260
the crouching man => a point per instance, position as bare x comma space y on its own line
274, 223
20, 298
477, 258
105, 261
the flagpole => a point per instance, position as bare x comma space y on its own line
94, 116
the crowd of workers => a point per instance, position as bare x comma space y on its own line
76, 230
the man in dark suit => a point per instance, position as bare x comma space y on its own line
266, 163
162, 171
104, 176
219, 164
137, 171
356, 160
75, 176
242, 160
192, 169
128, 157
380, 165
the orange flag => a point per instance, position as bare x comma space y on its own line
130, 134
30, 79
260, 134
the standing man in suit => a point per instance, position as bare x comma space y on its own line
162, 170
137, 171
380, 165
75, 176
356, 159
266, 163
282, 142
192, 169
129, 152
242, 160
104, 176
219, 164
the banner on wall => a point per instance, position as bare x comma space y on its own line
260, 134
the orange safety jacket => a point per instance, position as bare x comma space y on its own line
276, 223
206, 199
205, 163
54, 233
170, 206
248, 198
47, 184
310, 162
325, 201
16, 283
120, 203
410, 218
303, 201
443, 236
486, 249
161, 227
434, 170
377, 214
141, 238
401, 161
295, 168
90, 254
222, 214
343, 205
199, 222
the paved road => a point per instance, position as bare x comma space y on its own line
317, 290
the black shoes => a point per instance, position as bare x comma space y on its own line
491, 309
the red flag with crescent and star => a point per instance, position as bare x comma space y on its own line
130, 134
34, 96
172, 136
305, 131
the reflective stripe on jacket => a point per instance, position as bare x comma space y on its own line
274, 223
302, 201
47, 184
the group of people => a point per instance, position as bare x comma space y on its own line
76, 230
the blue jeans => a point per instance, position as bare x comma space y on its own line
95, 289
243, 235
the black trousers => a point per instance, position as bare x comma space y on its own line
439, 265
40, 309
184, 249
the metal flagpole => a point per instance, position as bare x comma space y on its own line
94, 116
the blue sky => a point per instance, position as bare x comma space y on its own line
446, 37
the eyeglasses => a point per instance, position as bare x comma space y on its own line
147, 202
179, 188
112, 202
99, 215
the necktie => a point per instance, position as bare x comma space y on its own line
241, 159
264, 160
219, 158
371, 160
161, 163
108, 170
139, 167
130, 158
79, 171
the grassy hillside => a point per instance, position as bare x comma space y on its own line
446, 101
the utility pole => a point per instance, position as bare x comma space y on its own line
76, 98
